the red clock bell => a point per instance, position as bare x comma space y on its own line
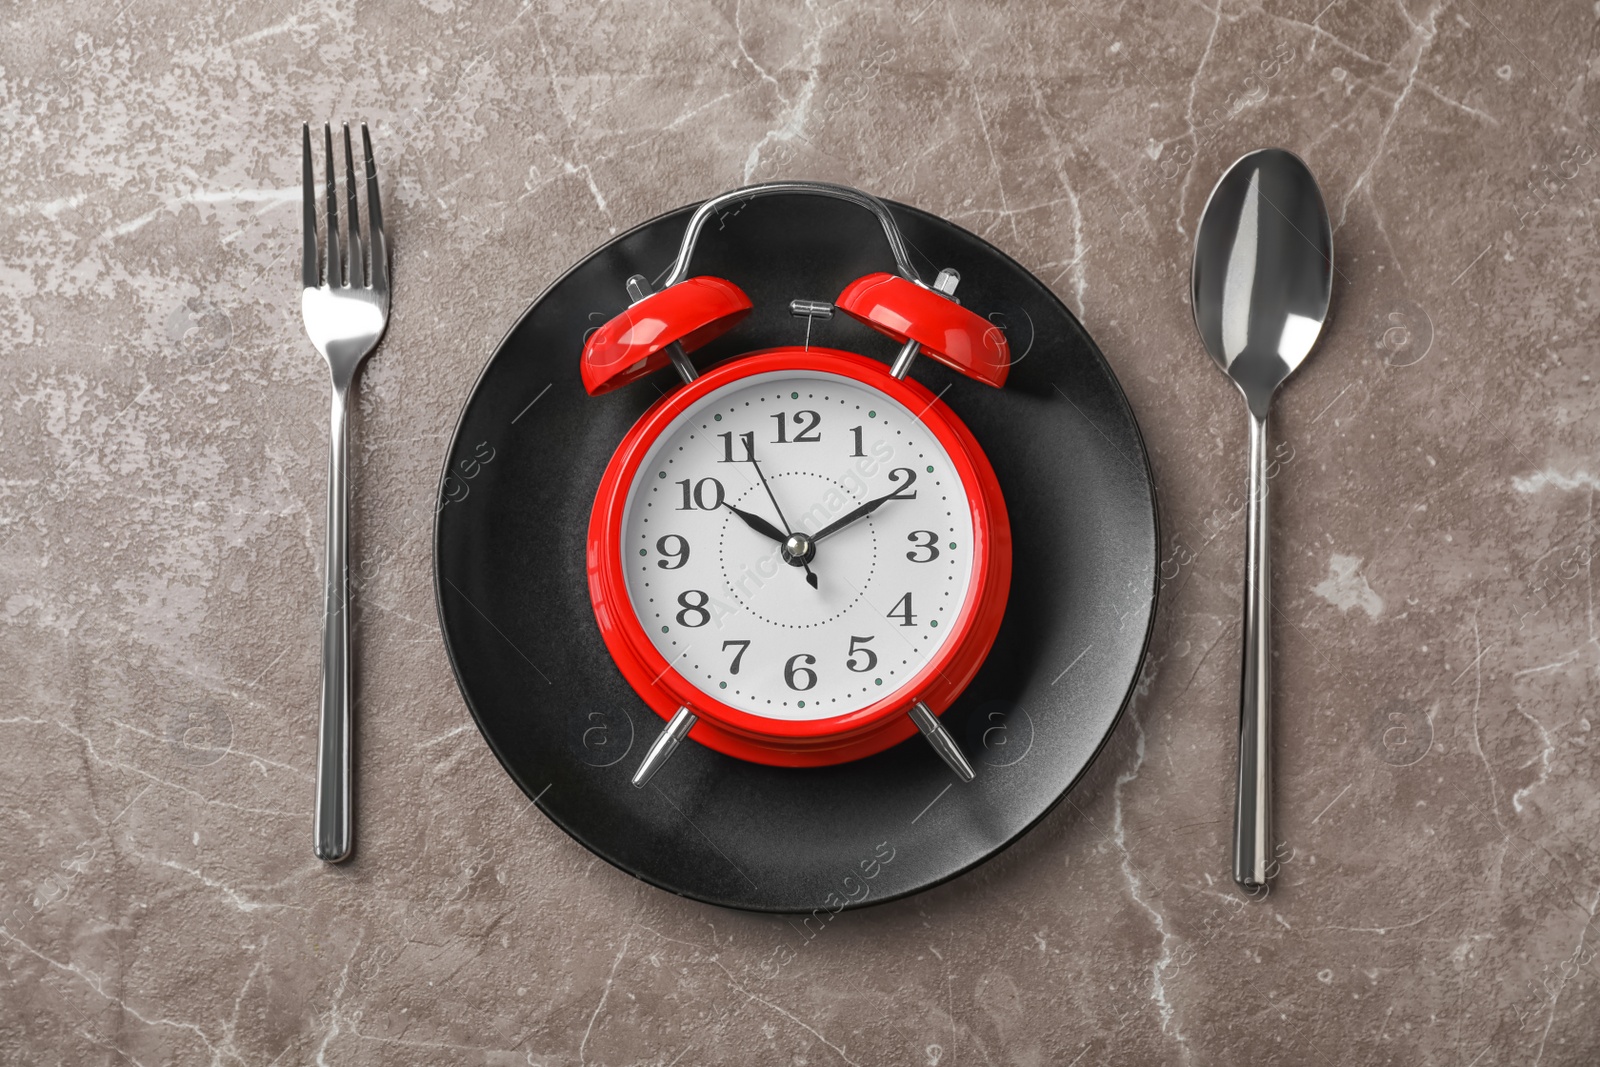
801, 556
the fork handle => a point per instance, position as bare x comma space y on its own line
333, 820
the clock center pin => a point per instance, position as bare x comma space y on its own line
798, 550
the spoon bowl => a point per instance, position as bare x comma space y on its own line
1263, 272
1260, 287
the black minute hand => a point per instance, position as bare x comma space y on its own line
872, 505
768, 488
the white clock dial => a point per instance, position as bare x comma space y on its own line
797, 452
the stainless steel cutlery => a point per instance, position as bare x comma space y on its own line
1262, 278
345, 304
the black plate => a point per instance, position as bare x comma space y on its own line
520, 478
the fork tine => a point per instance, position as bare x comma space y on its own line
310, 270
377, 239
335, 263
357, 278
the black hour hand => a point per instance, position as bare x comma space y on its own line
758, 524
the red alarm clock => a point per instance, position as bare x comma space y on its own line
801, 556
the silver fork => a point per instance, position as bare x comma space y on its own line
345, 313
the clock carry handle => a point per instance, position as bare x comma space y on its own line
662, 327
697, 221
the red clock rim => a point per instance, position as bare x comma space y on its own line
649, 671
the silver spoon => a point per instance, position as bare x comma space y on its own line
1262, 278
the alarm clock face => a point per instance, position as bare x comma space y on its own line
797, 545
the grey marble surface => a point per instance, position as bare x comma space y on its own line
161, 492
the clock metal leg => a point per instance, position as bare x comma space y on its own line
941, 741
665, 743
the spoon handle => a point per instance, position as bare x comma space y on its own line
1252, 836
